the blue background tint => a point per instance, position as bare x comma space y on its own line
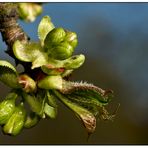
114, 38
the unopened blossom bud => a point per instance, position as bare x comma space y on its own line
16, 122
7, 107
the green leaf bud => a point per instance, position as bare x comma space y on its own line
29, 11
71, 38
27, 83
54, 37
51, 82
16, 122
62, 51
7, 107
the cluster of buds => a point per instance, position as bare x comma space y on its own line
53, 53
52, 56
12, 117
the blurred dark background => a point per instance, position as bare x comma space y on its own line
114, 38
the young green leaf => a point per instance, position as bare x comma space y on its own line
88, 91
45, 26
7, 64
86, 116
86, 100
8, 74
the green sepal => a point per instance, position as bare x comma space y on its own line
53, 71
52, 67
66, 73
45, 26
71, 63
36, 102
7, 107
8, 74
30, 52
31, 120
16, 122
74, 62
29, 11
51, 82
40, 60
21, 52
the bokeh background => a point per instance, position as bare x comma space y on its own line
114, 38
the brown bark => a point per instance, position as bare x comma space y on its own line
9, 27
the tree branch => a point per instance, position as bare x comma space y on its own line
9, 27
11, 31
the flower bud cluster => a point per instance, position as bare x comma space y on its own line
53, 54
51, 61
12, 117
